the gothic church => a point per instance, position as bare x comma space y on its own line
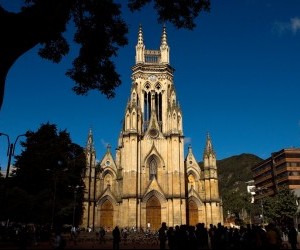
150, 181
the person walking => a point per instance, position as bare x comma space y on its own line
116, 238
162, 235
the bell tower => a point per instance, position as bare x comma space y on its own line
151, 143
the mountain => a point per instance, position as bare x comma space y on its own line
235, 171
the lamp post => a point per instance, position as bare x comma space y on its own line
10, 150
75, 201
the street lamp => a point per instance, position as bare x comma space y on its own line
75, 200
54, 172
10, 151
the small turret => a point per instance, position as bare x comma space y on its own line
140, 47
164, 47
208, 151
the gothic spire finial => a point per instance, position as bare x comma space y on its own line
208, 148
90, 141
140, 36
164, 36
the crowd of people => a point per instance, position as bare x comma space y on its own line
222, 237
177, 237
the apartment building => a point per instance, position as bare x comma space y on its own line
282, 168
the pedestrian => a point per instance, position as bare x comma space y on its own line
162, 235
171, 238
59, 241
292, 236
273, 237
101, 235
116, 238
73, 234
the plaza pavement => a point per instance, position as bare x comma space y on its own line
89, 241
86, 242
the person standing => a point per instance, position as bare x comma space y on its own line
292, 236
162, 235
273, 237
171, 237
101, 235
116, 238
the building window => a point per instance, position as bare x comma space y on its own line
153, 169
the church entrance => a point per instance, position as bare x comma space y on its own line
193, 213
107, 215
153, 213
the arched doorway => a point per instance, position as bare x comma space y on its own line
193, 213
107, 215
153, 213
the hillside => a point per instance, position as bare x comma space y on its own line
235, 171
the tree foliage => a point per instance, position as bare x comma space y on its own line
100, 32
236, 202
44, 177
280, 208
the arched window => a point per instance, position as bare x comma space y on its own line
153, 169
147, 109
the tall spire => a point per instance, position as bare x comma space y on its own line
208, 148
90, 141
164, 47
140, 47
164, 37
140, 36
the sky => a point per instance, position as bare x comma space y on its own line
237, 77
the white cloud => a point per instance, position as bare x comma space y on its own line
280, 27
295, 24
292, 26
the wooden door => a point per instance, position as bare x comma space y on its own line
193, 213
107, 215
153, 213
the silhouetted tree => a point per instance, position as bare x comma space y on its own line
99, 30
49, 167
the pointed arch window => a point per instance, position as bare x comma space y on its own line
147, 109
153, 169
158, 107
157, 95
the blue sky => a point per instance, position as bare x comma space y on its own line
237, 78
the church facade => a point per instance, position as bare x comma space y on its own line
149, 180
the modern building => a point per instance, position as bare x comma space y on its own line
282, 168
251, 189
150, 181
